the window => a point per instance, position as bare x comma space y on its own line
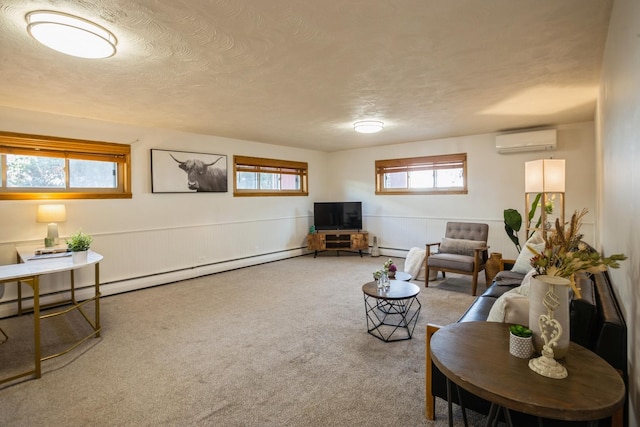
44, 167
255, 176
445, 174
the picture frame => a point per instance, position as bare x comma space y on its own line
174, 171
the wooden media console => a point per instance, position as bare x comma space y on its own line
338, 240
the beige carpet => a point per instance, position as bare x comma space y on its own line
280, 344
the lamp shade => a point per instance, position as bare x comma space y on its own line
70, 34
51, 213
544, 176
368, 126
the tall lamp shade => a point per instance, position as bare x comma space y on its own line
544, 176
52, 215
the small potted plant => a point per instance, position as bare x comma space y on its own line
79, 243
520, 344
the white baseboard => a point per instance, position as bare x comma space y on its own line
10, 307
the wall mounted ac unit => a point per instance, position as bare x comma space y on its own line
538, 140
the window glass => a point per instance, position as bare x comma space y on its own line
92, 174
34, 172
247, 180
256, 176
269, 181
422, 175
44, 167
420, 179
289, 182
450, 178
396, 180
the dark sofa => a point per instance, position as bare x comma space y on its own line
596, 323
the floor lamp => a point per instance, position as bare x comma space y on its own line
546, 178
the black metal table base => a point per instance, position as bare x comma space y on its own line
493, 418
450, 404
391, 319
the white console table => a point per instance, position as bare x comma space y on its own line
28, 271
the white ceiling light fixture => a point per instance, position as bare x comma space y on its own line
71, 35
368, 126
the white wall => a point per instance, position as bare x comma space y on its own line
619, 195
158, 238
495, 183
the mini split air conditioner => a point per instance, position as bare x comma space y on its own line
539, 140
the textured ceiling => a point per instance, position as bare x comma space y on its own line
300, 72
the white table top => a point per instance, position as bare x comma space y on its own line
36, 267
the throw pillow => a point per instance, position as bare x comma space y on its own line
523, 262
415, 262
496, 314
508, 278
460, 246
516, 310
506, 305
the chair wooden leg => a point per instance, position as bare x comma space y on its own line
474, 285
426, 267
617, 419
430, 399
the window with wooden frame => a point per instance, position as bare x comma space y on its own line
255, 177
46, 167
446, 174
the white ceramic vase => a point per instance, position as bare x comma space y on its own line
79, 257
549, 296
375, 251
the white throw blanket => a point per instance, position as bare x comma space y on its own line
414, 261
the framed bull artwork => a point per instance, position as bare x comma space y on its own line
188, 172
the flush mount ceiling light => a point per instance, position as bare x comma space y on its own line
71, 35
368, 126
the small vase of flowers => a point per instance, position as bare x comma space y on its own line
390, 268
563, 255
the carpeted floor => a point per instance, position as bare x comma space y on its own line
280, 344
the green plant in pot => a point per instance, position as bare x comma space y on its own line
520, 331
513, 220
520, 341
79, 242
512, 224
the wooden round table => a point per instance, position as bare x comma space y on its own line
475, 356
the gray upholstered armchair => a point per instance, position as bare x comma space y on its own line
463, 250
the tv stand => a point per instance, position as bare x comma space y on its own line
338, 240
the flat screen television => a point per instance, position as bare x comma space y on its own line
337, 215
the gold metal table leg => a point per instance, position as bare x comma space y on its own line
34, 282
97, 310
36, 326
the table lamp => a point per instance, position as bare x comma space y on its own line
52, 215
